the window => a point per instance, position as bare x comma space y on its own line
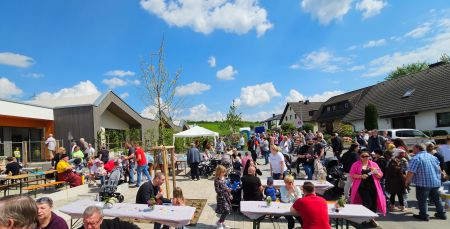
405, 133
443, 119
334, 108
346, 105
408, 93
295, 116
311, 113
418, 134
328, 109
290, 117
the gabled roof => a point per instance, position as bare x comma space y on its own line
302, 109
430, 91
276, 117
352, 97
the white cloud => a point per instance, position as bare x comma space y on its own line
370, 7
357, 68
258, 116
119, 73
205, 16
34, 75
135, 82
438, 44
295, 96
375, 43
321, 60
193, 88
353, 47
114, 82
419, 31
16, 60
326, 10
212, 61
226, 73
256, 95
201, 112
124, 95
9, 89
83, 88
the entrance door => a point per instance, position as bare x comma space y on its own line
329, 127
407, 122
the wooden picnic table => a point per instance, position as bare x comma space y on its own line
22, 177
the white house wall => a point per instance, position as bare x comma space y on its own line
110, 121
24, 110
425, 120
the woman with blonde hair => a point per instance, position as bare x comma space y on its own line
289, 193
223, 196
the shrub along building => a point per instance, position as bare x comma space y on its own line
418, 101
297, 113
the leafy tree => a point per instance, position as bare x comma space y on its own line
407, 69
445, 58
159, 90
370, 117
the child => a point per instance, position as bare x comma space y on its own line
178, 198
270, 190
223, 196
101, 172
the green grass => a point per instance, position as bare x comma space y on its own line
215, 126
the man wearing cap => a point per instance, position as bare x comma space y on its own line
307, 154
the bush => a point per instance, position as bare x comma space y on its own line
307, 127
439, 133
287, 127
370, 117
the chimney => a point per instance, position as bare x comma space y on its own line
273, 115
306, 102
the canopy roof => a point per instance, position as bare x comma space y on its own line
196, 131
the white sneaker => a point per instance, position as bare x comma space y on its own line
225, 226
219, 226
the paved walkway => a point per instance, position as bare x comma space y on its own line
204, 189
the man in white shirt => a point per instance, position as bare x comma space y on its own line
445, 151
51, 146
242, 142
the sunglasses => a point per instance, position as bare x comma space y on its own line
365, 156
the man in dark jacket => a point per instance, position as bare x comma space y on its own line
347, 160
336, 144
193, 160
375, 142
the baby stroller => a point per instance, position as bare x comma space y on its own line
205, 169
335, 176
234, 182
109, 189
290, 164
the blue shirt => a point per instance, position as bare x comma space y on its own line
270, 191
426, 170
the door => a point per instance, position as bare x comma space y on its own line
407, 122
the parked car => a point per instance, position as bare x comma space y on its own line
409, 136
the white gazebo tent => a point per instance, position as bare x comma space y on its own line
196, 131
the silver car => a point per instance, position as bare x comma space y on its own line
409, 136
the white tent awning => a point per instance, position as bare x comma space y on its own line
196, 131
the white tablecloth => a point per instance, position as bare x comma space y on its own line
321, 187
174, 216
351, 212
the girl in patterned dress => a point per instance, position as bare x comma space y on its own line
223, 196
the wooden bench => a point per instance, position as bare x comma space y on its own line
38, 186
5, 188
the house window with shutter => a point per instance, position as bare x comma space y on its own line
443, 119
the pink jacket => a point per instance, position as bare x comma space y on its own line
355, 198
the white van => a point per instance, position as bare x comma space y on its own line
409, 136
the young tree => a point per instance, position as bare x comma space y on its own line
444, 58
233, 120
159, 93
370, 117
407, 69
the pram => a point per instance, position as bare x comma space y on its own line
109, 189
234, 182
290, 164
205, 169
335, 176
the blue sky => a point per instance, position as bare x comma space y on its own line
265, 52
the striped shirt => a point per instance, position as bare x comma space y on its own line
426, 170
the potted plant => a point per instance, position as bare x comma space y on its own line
268, 201
109, 202
340, 203
152, 203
